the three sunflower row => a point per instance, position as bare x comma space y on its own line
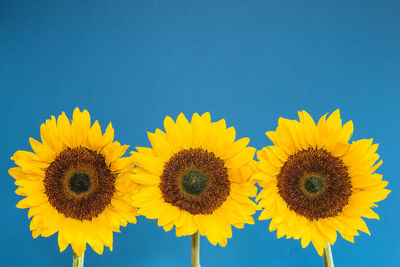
198, 178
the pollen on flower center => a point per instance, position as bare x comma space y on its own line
79, 182
194, 182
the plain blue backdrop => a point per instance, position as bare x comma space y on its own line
250, 62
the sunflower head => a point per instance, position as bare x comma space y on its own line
196, 177
315, 183
75, 183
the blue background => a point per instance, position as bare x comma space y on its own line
250, 62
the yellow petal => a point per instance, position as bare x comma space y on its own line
95, 137
80, 126
241, 158
184, 130
153, 165
147, 179
108, 136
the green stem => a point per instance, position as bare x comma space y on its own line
77, 261
327, 256
196, 250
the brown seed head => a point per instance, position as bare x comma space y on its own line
314, 184
79, 184
195, 180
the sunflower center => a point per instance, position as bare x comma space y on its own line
313, 184
79, 182
194, 182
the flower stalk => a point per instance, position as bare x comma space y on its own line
77, 261
327, 256
196, 250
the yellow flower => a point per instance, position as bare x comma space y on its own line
315, 183
196, 177
75, 183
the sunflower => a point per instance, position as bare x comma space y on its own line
315, 183
75, 183
197, 178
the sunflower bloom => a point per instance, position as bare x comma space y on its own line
315, 183
196, 177
75, 183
